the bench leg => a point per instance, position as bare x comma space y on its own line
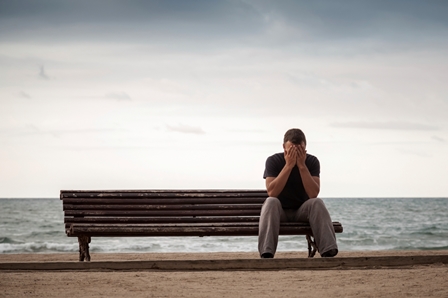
312, 247
84, 248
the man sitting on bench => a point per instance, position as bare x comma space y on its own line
293, 183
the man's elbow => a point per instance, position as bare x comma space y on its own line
313, 194
271, 189
273, 193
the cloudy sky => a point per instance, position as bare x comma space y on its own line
197, 94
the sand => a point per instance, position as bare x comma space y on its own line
427, 280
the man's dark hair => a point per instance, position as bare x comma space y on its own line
295, 136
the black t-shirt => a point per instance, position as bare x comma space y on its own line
294, 194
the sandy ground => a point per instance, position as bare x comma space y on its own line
413, 281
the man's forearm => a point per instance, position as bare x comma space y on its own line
277, 185
312, 188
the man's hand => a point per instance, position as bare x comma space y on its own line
301, 156
291, 155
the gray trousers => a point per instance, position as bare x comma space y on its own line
313, 211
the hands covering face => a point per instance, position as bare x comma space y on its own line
295, 154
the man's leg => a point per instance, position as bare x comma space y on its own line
315, 212
269, 226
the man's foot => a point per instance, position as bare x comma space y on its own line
329, 254
267, 255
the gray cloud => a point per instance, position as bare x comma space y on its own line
118, 96
31, 129
438, 139
185, 129
24, 95
307, 25
42, 73
392, 125
337, 17
247, 131
139, 21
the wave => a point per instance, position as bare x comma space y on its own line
154, 244
38, 234
429, 247
9, 240
33, 247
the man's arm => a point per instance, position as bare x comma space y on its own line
275, 185
310, 183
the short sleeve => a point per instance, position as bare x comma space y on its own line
273, 166
313, 165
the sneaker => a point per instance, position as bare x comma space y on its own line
267, 255
329, 254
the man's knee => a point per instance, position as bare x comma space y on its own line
272, 202
271, 207
317, 204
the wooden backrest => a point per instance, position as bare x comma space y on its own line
162, 206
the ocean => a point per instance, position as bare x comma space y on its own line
36, 226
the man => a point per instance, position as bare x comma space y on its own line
293, 184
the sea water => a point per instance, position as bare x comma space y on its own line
37, 226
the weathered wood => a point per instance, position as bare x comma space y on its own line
205, 219
243, 229
177, 231
165, 207
135, 213
298, 225
293, 228
178, 219
162, 193
124, 220
162, 213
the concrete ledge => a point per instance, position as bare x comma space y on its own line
237, 264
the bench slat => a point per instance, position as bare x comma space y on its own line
179, 231
162, 193
155, 219
161, 225
215, 229
215, 224
165, 207
129, 220
336, 225
249, 212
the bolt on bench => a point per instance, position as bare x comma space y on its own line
145, 213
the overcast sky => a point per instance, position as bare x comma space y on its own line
197, 94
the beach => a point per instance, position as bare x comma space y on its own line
407, 280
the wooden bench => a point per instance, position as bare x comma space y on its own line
131, 213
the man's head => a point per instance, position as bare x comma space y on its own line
294, 136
